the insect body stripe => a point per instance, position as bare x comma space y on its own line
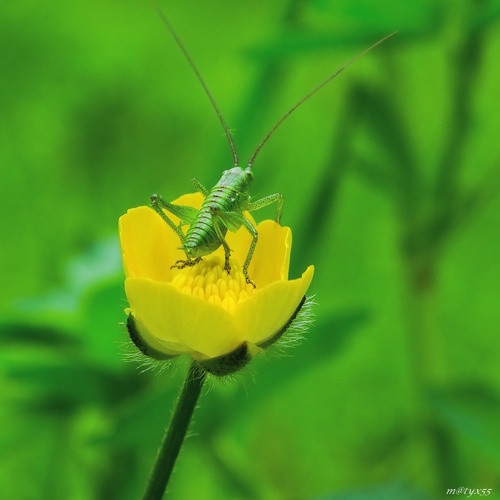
203, 234
222, 198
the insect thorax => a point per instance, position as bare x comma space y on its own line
230, 194
237, 179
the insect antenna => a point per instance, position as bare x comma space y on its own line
311, 93
171, 30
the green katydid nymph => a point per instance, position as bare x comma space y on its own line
225, 204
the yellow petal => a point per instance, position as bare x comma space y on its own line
168, 348
201, 328
271, 258
270, 308
149, 246
194, 200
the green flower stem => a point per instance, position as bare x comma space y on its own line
175, 434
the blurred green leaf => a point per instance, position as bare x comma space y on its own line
473, 412
98, 262
69, 384
394, 489
17, 334
295, 43
412, 16
101, 325
142, 421
383, 122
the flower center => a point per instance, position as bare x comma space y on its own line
209, 281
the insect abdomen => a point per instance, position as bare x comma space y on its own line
201, 234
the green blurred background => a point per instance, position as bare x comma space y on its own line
390, 176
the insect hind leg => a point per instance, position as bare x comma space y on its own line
255, 236
233, 221
157, 204
186, 216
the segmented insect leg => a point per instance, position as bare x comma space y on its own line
267, 200
186, 216
255, 236
157, 203
227, 250
181, 264
200, 187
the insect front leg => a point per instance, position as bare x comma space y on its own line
181, 264
200, 187
233, 221
255, 236
225, 246
267, 200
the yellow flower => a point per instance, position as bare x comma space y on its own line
215, 317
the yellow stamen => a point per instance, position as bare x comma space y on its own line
209, 281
